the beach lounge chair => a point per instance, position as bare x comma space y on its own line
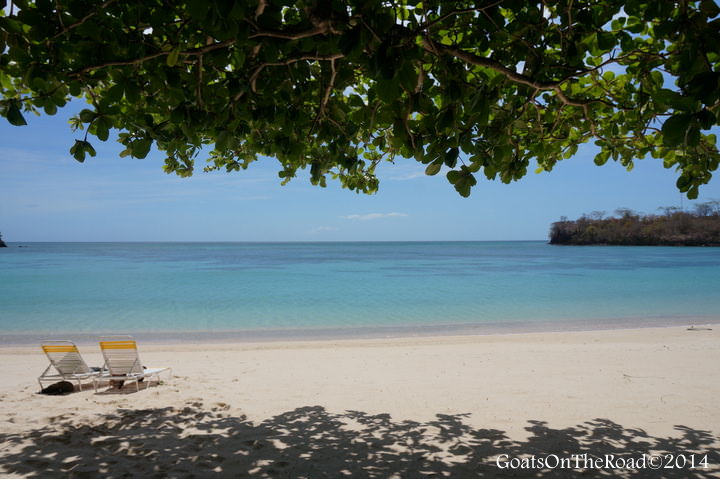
67, 362
122, 362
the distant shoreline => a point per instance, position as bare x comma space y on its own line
675, 228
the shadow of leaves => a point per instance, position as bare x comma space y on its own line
310, 442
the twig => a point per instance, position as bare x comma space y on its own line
429, 24
58, 9
326, 98
377, 37
260, 8
85, 18
198, 88
420, 78
293, 36
435, 48
136, 61
259, 68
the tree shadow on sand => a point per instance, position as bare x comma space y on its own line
311, 442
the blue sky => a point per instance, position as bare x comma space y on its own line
45, 195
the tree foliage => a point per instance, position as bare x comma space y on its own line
674, 228
481, 88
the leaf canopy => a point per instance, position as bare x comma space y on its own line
480, 88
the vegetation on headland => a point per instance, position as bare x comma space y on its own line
477, 89
672, 228
2, 243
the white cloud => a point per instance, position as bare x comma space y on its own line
408, 176
322, 229
373, 216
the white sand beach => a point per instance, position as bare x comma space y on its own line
400, 407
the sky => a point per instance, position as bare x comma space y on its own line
45, 195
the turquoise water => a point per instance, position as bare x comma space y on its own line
142, 287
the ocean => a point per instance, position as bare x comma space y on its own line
268, 290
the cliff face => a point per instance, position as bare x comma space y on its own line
676, 229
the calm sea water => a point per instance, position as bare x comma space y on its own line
176, 287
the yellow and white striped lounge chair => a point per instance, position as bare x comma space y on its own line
67, 362
122, 362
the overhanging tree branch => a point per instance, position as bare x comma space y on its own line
471, 58
83, 19
137, 61
259, 68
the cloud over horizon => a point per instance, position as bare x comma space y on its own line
322, 229
373, 216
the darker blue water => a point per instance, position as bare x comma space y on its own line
180, 287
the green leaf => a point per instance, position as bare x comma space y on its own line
6, 81
705, 87
350, 40
692, 138
675, 100
675, 128
89, 149
13, 114
602, 157
451, 156
706, 118
221, 142
102, 129
75, 88
79, 149
132, 92
87, 116
50, 109
683, 183
198, 9
172, 58
433, 169
115, 93
141, 148
408, 76
387, 90
606, 40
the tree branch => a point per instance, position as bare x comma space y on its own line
137, 61
326, 98
85, 18
259, 68
293, 36
260, 8
429, 24
436, 48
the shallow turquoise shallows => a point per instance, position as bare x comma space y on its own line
186, 287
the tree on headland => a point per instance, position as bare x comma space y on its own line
2, 243
480, 88
674, 228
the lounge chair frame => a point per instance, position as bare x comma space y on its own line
122, 362
67, 362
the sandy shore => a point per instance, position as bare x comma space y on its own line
412, 407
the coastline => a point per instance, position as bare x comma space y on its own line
491, 328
